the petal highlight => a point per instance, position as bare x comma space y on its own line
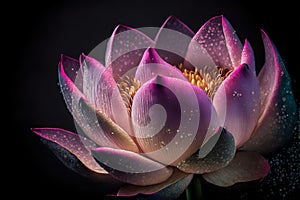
237, 103
171, 118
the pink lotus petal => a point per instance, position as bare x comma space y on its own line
246, 166
125, 50
278, 108
218, 38
173, 30
169, 189
72, 143
220, 156
237, 103
171, 118
233, 43
152, 65
102, 92
130, 167
72, 70
248, 56
108, 129
91, 125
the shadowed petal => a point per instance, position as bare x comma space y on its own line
71, 143
237, 103
170, 189
171, 118
219, 157
125, 50
248, 56
101, 91
219, 39
278, 108
173, 30
246, 166
72, 70
130, 167
152, 65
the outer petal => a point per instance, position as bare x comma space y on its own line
221, 42
237, 103
72, 145
220, 156
278, 108
171, 118
131, 167
101, 90
125, 50
96, 128
246, 166
170, 189
152, 65
173, 30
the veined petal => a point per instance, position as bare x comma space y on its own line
125, 50
173, 30
71, 143
220, 156
130, 167
86, 117
237, 103
219, 39
248, 56
152, 65
110, 130
101, 91
246, 166
278, 108
171, 118
169, 189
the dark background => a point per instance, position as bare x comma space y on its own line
45, 30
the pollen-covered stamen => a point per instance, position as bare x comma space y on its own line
208, 79
128, 88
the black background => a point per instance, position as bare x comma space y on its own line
42, 31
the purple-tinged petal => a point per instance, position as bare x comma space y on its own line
233, 43
72, 70
237, 103
101, 91
246, 166
110, 130
173, 30
248, 56
220, 41
170, 189
125, 50
130, 167
71, 143
152, 65
171, 118
278, 108
98, 127
220, 156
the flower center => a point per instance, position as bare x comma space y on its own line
208, 79
128, 88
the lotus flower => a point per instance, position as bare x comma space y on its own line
152, 119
